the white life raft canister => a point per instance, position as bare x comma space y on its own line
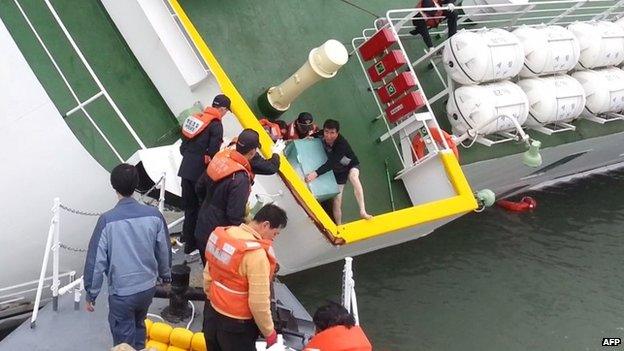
604, 89
482, 56
547, 50
559, 98
601, 43
483, 12
474, 106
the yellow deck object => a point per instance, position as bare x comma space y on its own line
181, 338
461, 203
173, 348
160, 332
159, 346
198, 343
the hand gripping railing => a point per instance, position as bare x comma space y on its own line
349, 299
53, 244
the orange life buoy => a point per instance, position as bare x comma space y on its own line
419, 144
525, 204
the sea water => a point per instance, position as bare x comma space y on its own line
550, 279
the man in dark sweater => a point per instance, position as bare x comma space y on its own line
202, 135
342, 160
425, 20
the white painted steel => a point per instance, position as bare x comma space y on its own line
547, 50
482, 56
93, 75
485, 13
601, 43
559, 98
604, 89
472, 106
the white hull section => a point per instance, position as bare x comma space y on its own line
41, 159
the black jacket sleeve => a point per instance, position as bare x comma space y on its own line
262, 166
237, 198
215, 138
203, 187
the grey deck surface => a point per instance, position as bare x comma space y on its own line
70, 330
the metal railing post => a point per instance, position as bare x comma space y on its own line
46, 257
56, 283
161, 198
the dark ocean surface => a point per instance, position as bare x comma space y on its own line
550, 279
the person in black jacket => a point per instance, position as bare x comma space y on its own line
342, 160
426, 20
201, 139
224, 199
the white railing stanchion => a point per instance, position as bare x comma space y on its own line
46, 257
349, 299
55, 262
78, 294
161, 198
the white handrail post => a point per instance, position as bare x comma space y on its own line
44, 264
347, 279
56, 283
161, 198
78, 294
354, 305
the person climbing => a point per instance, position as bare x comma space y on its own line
202, 135
425, 20
342, 160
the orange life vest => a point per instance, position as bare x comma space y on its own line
227, 162
292, 133
273, 129
340, 338
432, 18
195, 124
229, 291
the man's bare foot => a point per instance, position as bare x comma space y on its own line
365, 215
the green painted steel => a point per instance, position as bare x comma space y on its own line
112, 61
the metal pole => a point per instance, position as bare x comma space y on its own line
56, 282
44, 264
346, 283
161, 198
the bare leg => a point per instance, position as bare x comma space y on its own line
358, 191
337, 206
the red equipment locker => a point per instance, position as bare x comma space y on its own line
389, 63
377, 44
407, 104
402, 83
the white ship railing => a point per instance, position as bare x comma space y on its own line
349, 299
53, 244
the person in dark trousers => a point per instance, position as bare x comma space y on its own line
202, 135
225, 187
336, 331
130, 245
237, 280
426, 20
342, 160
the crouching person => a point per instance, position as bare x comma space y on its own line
336, 331
240, 265
130, 244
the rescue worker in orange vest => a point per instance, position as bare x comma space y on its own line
202, 135
276, 129
302, 127
225, 187
237, 278
426, 20
336, 331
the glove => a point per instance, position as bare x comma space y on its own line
271, 339
278, 147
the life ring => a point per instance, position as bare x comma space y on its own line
418, 143
527, 203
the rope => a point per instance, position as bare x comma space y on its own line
70, 248
359, 8
79, 212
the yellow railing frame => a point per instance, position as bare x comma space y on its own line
354, 231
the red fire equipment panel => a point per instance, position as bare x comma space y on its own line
377, 44
388, 63
407, 104
396, 87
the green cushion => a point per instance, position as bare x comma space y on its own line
306, 156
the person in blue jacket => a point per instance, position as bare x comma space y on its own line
130, 245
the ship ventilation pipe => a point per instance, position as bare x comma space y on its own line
531, 157
323, 63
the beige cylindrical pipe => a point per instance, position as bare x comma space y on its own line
323, 62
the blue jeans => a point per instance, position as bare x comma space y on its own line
126, 316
